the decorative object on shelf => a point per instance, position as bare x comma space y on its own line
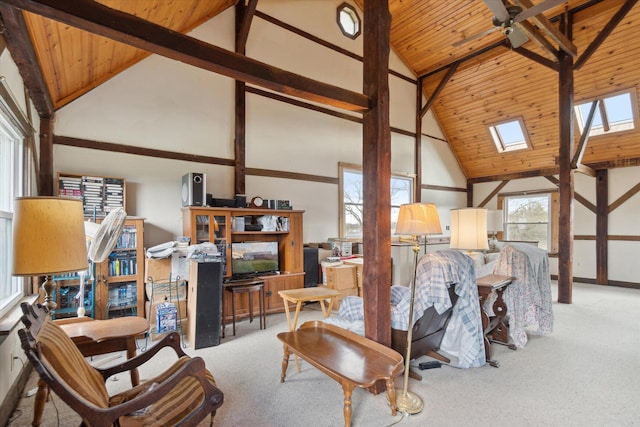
257, 202
469, 229
48, 239
494, 225
414, 219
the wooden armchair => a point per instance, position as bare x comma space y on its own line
184, 394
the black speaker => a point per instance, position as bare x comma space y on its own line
310, 256
205, 298
194, 189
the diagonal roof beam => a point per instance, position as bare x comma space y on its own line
19, 44
582, 144
535, 36
93, 17
441, 86
247, 18
602, 36
545, 25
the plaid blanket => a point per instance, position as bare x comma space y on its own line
435, 273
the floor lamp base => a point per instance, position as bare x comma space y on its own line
408, 402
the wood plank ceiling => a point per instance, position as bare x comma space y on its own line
492, 82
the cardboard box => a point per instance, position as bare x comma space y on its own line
151, 311
326, 264
158, 269
353, 292
342, 277
359, 264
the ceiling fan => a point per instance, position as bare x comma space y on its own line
507, 18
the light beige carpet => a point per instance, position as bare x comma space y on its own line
584, 374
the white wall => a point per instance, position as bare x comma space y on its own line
171, 106
625, 221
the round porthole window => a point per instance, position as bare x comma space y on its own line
349, 21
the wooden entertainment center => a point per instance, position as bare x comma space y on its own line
222, 226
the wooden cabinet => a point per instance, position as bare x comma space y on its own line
119, 287
225, 226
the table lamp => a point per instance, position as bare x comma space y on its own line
414, 219
469, 229
494, 224
48, 238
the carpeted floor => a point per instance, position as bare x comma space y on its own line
584, 374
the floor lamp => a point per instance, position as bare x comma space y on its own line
48, 238
414, 219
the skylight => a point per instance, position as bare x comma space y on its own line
614, 113
348, 21
510, 136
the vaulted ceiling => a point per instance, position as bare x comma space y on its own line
469, 81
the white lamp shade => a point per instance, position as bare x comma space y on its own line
418, 219
469, 229
494, 221
48, 236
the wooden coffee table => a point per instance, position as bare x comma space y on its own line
350, 359
94, 337
299, 296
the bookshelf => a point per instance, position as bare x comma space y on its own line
99, 194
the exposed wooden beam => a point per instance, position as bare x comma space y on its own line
18, 41
579, 198
376, 168
244, 23
602, 36
537, 58
493, 193
417, 155
441, 86
545, 25
602, 227
515, 175
46, 158
626, 196
96, 18
586, 170
582, 144
476, 53
140, 151
535, 36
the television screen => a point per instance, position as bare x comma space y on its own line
254, 257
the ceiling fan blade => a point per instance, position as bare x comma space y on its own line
537, 9
498, 9
476, 36
516, 37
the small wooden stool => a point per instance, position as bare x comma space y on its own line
249, 287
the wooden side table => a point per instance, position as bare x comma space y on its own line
94, 337
242, 287
494, 328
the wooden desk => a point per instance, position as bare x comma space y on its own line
350, 359
494, 328
94, 337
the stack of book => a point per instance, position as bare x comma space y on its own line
70, 186
113, 194
93, 194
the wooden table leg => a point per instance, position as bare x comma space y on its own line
391, 394
288, 314
285, 363
42, 395
131, 352
295, 322
348, 391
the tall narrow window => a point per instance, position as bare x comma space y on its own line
352, 199
614, 113
510, 136
14, 128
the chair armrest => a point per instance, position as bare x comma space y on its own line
171, 340
194, 367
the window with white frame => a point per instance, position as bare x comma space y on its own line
528, 218
13, 169
352, 199
510, 135
613, 113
